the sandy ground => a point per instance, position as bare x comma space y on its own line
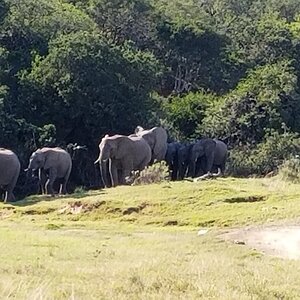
281, 241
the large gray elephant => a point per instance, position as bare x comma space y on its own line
125, 154
156, 137
212, 153
9, 172
54, 163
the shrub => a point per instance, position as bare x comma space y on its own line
265, 157
290, 170
158, 172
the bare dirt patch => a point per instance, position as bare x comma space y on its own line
281, 241
78, 207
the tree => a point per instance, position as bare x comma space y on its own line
100, 87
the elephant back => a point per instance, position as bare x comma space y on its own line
57, 158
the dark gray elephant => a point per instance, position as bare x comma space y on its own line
125, 154
172, 159
156, 137
9, 172
184, 160
84, 172
52, 163
212, 154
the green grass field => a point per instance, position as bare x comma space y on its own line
141, 242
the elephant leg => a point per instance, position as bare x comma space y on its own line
174, 173
42, 181
180, 172
127, 168
104, 170
222, 169
201, 167
50, 182
183, 171
210, 157
120, 176
63, 187
113, 173
188, 170
192, 168
9, 196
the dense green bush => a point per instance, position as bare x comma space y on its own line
72, 71
290, 170
265, 157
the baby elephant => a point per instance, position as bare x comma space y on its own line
55, 163
9, 172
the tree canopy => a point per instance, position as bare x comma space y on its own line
72, 71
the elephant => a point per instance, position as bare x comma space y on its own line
156, 137
52, 163
124, 155
172, 159
9, 172
211, 153
84, 173
184, 159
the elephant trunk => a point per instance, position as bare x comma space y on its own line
29, 172
103, 166
104, 173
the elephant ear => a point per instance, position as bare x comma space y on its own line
210, 145
49, 159
113, 144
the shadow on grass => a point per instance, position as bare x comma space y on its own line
245, 199
33, 199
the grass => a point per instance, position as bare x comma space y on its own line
141, 243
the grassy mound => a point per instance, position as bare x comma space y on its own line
218, 203
141, 242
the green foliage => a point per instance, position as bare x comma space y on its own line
290, 170
72, 71
92, 82
257, 104
3, 10
185, 114
264, 157
47, 135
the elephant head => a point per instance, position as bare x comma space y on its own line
37, 160
184, 158
204, 150
107, 149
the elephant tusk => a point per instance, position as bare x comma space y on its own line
208, 175
216, 174
26, 170
97, 161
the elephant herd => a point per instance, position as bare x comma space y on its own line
119, 156
195, 159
